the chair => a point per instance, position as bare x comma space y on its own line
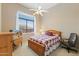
71, 43
17, 39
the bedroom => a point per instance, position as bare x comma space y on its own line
63, 17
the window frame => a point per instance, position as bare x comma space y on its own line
17, 20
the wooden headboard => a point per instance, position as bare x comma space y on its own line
55, 32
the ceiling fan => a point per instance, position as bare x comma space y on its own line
38, 11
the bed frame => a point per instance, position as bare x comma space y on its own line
40, 48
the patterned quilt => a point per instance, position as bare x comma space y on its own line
47, 41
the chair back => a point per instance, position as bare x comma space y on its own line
72, 39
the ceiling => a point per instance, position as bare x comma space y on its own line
36, 5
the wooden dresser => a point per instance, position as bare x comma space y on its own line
6, 42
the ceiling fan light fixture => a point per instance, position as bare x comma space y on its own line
38, 11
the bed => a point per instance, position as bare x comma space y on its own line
46, 43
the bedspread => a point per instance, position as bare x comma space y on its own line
48, 41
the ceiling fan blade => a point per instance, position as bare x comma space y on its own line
41, 14
43, 11
32, 10
34, 13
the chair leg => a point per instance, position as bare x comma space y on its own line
68, 50
21, 43
75, 51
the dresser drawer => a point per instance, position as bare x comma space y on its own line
6, 41
6, 51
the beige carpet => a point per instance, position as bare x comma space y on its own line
24, 50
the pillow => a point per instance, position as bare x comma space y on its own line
49, 33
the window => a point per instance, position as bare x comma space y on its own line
25, 22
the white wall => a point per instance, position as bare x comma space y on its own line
9, 11
0, 17
62, 17
38, 24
